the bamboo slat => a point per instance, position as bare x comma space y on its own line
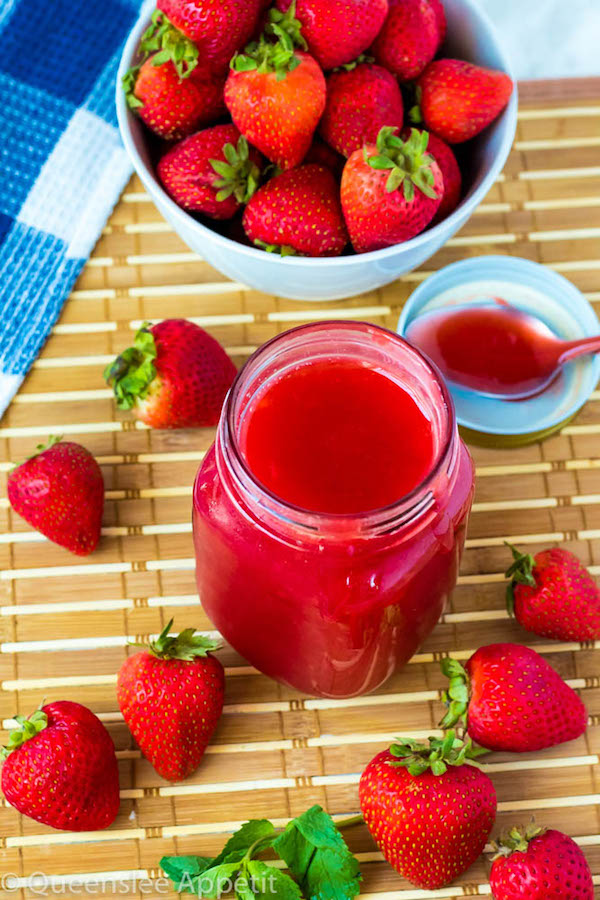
65, 623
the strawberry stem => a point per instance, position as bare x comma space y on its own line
435, 756
238, 175
456, 697
186, 645
27, 728
133, 371
408, 162
520, 572
516, 840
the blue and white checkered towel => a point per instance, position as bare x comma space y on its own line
62, 166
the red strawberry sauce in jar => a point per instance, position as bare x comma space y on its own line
330, 515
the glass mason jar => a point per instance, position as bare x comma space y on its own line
330, 604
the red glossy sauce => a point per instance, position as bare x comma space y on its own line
335, 436
493, 349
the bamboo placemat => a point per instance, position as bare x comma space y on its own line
65, 623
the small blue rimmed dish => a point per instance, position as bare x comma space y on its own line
542, 293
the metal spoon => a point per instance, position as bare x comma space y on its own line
494, 348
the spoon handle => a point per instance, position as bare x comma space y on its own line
573, 349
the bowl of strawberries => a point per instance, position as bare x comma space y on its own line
316, 149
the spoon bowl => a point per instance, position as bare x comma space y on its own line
498, 350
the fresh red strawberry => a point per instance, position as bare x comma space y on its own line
276, 94
360, 101
458, 99
171, 697
390, 190
429, 811
60, 768
323, 155
554, 595
60, 492
218, 28
212, 172
446, 160
410, 37
172, 106
512, 699
337, 31
175, 376
540, 864
298, 212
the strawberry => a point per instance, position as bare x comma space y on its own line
446, 160
410, 37
212, 172
540, 864
59, 491
276, 94
554, 595
60, 768
458, 99
360, 101
391, 190
429, 810
170, 105
512, 699
337, 31
298, 212
171, 697
175, 376
217, 28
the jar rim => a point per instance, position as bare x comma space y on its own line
412, 502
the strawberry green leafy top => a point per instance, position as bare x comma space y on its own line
520, 572
133, 371
27, 728
517, 840
238, 175
168, 44
456, 697
187, 645
437, 756
279, 55
408, 162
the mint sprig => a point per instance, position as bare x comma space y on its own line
318, 856
320, 864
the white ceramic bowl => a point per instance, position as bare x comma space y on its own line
471, 36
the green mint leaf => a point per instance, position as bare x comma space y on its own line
183, 870
250, 833
216, 881
268, 882
318, 857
